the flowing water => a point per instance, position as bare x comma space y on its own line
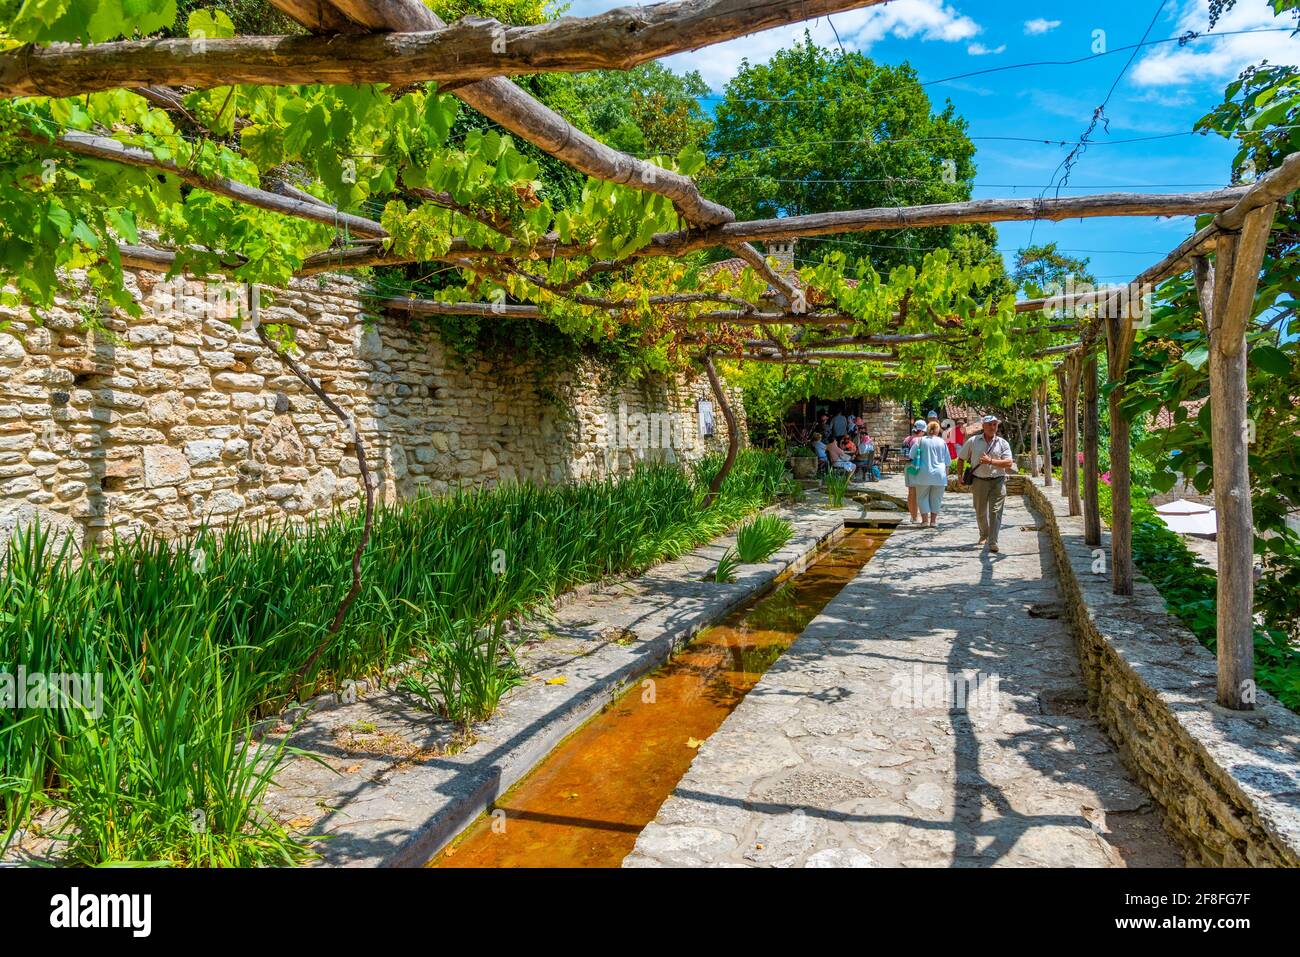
585, 804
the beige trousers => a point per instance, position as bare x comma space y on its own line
990, 496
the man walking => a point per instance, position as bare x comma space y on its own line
990, 455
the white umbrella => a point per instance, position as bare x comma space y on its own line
1182, 506
1189, 518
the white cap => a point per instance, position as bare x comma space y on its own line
990, 418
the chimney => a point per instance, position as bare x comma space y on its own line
783, 252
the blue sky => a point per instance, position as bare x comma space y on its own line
1165, 91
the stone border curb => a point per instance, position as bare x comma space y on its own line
1228, 782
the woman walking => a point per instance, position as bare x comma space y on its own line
910, 470
931, 459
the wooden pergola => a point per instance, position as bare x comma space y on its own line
402, 41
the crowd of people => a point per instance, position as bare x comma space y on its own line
844, 442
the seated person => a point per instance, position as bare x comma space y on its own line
847, 445
839, 459
819, 447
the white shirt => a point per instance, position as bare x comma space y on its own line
975, 446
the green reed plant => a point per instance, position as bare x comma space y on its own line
836, 484
195, 640
462, 672
726, 569
760, 537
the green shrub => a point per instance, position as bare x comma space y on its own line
762, 536
837, 486
726, 570
463, 671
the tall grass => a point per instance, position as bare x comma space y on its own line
196, 640
836, 484
759, 538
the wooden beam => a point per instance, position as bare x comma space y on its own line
428, 307
472, 48
947, 214
506, 104
881, 357
1247, 259
1271, 188
111, 151
861, 220
1091, 507
786, 294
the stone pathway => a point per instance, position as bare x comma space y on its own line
932, 715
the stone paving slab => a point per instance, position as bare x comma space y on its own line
393, 783
856, 748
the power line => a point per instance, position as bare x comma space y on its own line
816, 181
1066, 166
1181, 40
1044, 141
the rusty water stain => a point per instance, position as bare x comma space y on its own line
585, 804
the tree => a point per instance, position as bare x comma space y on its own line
1042, 268
815, 130
645, 111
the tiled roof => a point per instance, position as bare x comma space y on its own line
1164, 419
961, 412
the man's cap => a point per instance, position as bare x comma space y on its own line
933, 415
918, 426
990, 418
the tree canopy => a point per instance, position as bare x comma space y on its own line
814, 130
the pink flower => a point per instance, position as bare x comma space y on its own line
1105, 477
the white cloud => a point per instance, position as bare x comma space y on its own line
979, 49
1040, 25
858, 29
1218, 60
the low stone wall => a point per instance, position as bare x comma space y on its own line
181, 416
1228, 782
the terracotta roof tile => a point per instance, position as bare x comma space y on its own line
1164, 419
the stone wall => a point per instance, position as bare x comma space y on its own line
178, 417
1227, 781
890, 425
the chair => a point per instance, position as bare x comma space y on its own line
865, 464
884, 457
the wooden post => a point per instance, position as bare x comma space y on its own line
1033, 433
1227, 293
733, 432
1047, 440
1119, 343
1065, 431
1070, 455
1091, 510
